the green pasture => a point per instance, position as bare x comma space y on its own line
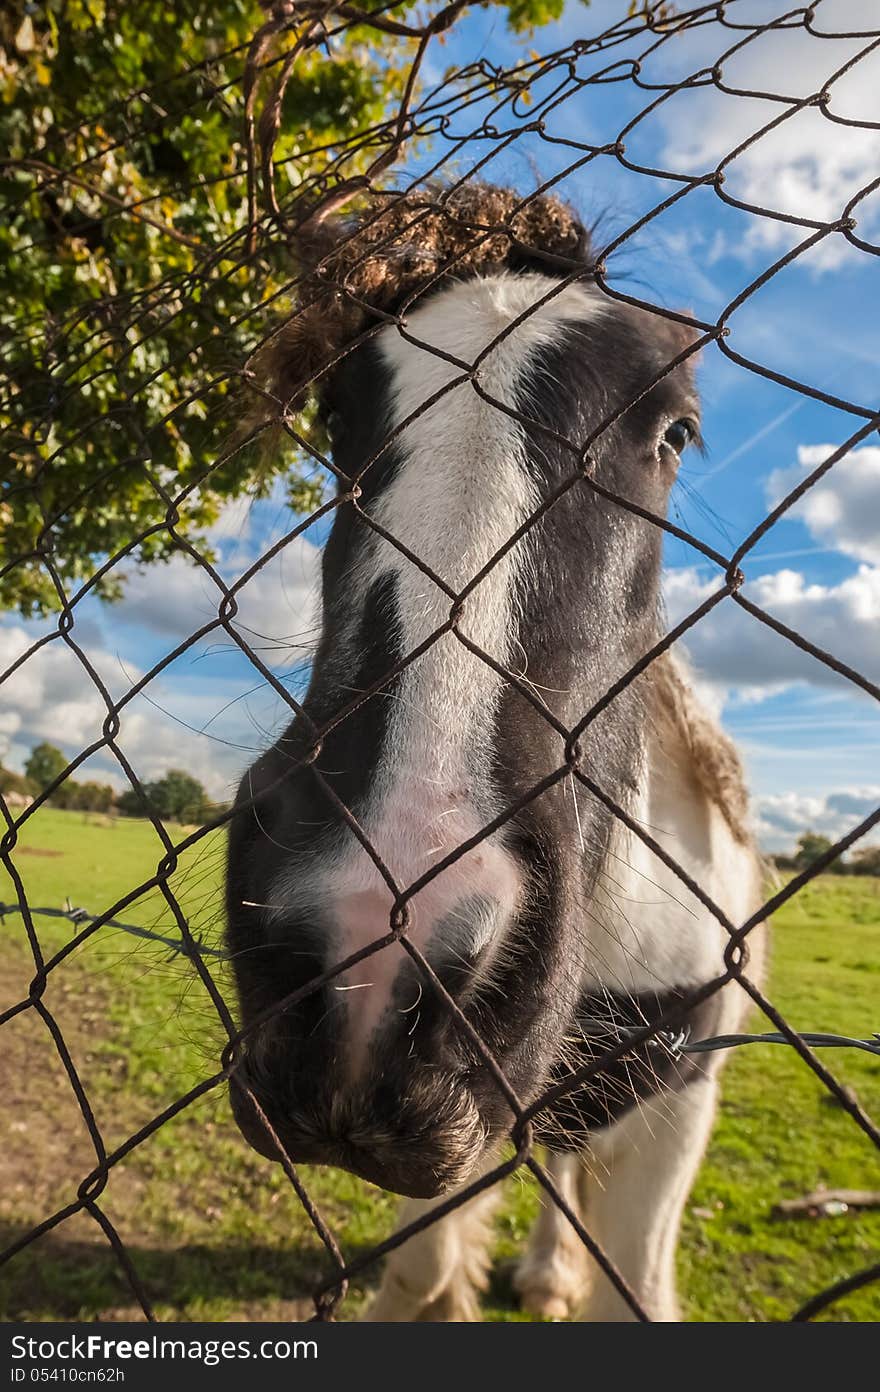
217, 1233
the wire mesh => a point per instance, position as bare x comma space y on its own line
507, 103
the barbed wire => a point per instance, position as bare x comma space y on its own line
494, 98
673, 1042
77, 916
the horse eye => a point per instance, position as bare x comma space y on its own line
679, 435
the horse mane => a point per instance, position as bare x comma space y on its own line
713, 757
359, 270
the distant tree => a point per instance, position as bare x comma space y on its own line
175, 797
811, 846
11, 782
781, 861
103, 796
129, 804
178, 796
65, 795
865, 861
46, 763
89, 797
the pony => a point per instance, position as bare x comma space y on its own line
439, 817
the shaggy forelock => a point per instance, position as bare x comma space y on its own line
357, 271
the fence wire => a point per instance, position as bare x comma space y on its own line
371, 169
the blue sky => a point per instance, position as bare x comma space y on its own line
812, 743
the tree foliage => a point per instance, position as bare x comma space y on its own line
811, 846
44, 765
176, 796
865, 861
125, 289
12, 782
84, 797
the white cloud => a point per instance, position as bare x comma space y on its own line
737, 652
211, 727
190, 715
50, 694
842, 510
51, 697
780, 818
233, 522
279, 602
809, 166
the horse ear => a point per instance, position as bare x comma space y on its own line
684, 335
282, 370
583, 241
287, 364
279, 375
314, 242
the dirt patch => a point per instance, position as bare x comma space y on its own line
42, 1123
70, 1272
45, 1149
43, 1135
36, 851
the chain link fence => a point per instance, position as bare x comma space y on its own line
445, 133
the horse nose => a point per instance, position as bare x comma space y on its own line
417, 1135
384, 996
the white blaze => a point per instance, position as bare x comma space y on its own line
461, 490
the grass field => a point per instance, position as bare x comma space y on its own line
217, 1233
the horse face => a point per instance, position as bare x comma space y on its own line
374, 832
